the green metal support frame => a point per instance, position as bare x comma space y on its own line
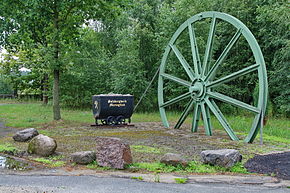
201, 98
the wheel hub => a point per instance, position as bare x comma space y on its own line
197, 90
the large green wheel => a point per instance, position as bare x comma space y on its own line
201, 83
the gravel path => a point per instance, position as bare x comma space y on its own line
277, 164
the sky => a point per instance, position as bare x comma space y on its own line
3, 51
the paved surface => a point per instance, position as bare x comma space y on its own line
21, 184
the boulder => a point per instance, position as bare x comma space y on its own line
173, 159
83, 157
112, 152
25, 135
222, 157
42, 145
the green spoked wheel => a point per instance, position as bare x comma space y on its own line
199, 75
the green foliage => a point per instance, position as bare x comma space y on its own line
5, 86
43, 160
88, 72
239, 168
121, 48
137, 178
7, 147
56, 27
180, 180
275, 39
50, 162
193, 167
57, 157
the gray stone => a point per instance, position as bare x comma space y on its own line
83, 157
25, 135
112, 152
42, 145
222, 157
173, 159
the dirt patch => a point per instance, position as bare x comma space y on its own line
148, 141
277, 164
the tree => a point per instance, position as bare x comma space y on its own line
5, 87
275, 41
88, 72
51, 25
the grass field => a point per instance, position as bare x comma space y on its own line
23, 115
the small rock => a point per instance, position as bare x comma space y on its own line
83, 157
222, 157
25, 135
42, 145
173, 159
21, 154
113, 152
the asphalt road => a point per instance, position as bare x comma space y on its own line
87, 184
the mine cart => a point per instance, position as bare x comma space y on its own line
113, 109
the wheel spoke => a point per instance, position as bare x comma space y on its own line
175, 100
196, 116
184, 114
206, 119
254, 129
209, 46
175, 79
194, 50
233, 76
184, 63
216, 111
223, 56
233, 101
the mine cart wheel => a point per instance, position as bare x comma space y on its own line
104, 122
111, 120
120, 120
199, 77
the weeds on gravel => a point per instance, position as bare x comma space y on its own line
145, 149
155, 167
180, 180
49, 162
156, 178
95, 165
137, 178
193, 167
7, 148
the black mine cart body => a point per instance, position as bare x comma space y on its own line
113, 109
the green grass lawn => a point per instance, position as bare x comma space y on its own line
23, 115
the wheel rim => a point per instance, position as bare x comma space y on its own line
200, 96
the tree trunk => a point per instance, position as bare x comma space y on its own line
56, 107
45, 89
56, 71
